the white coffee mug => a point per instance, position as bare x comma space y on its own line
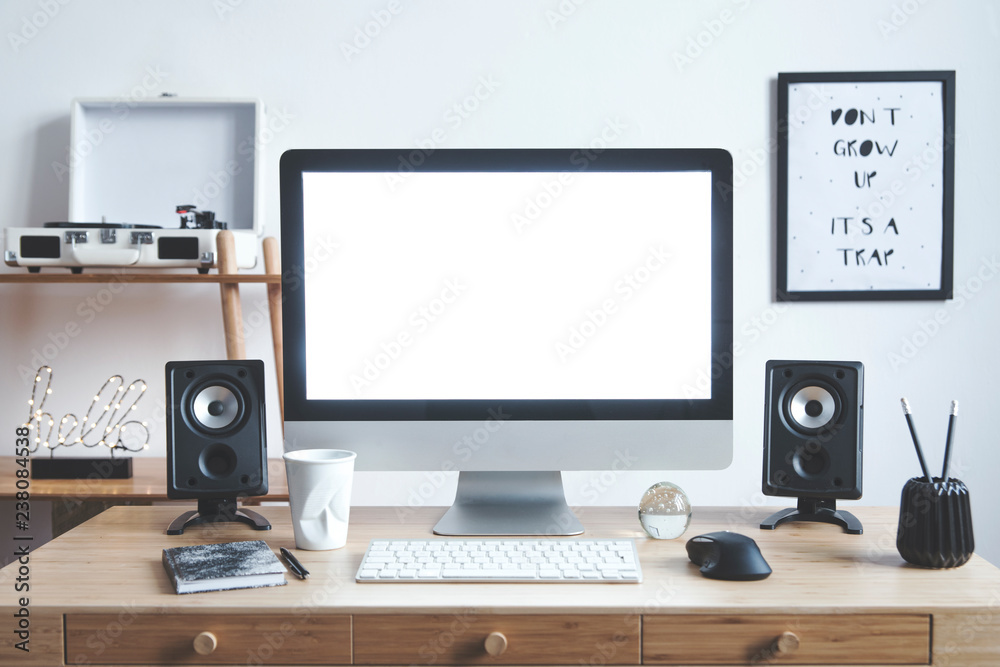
319, 494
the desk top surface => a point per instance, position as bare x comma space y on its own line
114, 560
148, 482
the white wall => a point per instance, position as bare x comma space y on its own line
558, 74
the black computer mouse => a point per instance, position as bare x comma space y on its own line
726, 555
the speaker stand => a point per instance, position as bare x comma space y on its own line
815, 509
217, 510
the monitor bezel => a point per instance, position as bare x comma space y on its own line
398, 163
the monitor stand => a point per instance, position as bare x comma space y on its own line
509, 503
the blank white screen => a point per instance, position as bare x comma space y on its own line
473, 285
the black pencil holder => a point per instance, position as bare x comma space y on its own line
935, 523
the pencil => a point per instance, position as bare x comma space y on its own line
947, 443
916, 443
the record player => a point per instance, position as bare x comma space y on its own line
127, 161
76, 245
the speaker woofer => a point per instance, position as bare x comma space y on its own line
216, 407
812, 406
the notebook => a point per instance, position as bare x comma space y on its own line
219, 567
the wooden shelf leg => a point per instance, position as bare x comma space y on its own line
232, 310
272, 266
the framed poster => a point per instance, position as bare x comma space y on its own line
865, 185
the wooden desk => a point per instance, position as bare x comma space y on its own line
99, 595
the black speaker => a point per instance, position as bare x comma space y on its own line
813, 423
216, 439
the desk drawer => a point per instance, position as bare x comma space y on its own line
470, 638
157, 639
806, 639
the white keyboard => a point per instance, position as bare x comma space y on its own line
468, 560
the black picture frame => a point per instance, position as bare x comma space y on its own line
813, 173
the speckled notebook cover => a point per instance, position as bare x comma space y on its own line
217, 567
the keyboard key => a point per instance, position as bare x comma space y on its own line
489, 574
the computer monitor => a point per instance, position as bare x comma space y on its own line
509, 314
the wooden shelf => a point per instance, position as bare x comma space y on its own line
91, 278
227, 278
148, 482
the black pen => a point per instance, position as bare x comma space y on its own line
294, 563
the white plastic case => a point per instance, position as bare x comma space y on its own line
132, 163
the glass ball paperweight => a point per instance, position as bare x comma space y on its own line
664, 511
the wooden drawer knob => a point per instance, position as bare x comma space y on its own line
786, 644
205, 643
496, 644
